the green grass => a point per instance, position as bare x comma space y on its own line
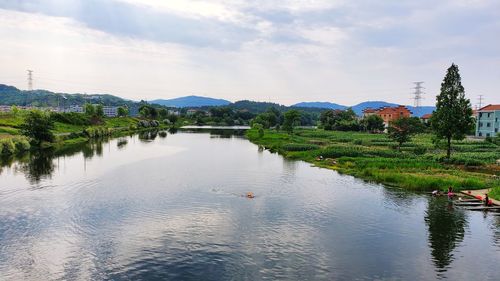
420, 165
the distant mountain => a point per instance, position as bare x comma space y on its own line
191, 101
421, 110
358, 108
328, 105
10, 95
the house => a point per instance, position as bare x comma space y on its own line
487, 121
74, 108
190, 112
173, 112
110, 111
426, 117
5, 108
369, 111
390, 114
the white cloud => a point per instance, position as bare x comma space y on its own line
289, 51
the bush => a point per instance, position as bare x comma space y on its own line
21, 144
167, 122
143, 124
7, 147
97, 132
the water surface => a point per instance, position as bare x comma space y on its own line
146, 207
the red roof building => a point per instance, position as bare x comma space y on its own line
390, 114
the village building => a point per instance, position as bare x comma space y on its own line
487, 121
426, 117
388, 114
369, 111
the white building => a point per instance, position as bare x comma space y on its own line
110, 111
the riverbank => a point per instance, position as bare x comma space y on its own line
420, 165
67, 134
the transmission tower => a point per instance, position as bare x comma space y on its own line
30, 80
480, 98
418, 95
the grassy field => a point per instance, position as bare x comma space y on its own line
420, 165
66, 134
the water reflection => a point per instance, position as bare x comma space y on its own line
40, 166
121, 143
148, 136
446, 227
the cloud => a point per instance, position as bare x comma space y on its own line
340, 51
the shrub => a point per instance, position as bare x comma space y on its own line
143, 124
154, 123
7, 147
21, 144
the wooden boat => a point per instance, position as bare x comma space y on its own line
469, 203
484, 208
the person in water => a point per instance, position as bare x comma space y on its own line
450, 192
487, 200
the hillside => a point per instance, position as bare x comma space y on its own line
328, 105
10, 95
191, 101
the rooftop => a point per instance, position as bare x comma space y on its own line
490, 107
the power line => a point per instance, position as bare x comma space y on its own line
30, 80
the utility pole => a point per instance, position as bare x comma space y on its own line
418, 95
480, 101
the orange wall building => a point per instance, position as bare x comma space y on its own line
390, 114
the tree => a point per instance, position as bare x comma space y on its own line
99, 111
122, 111
292, 118
373, 123
452, 118
89, 109
342, 120
162, 112
401, 130
94, 112
37, 126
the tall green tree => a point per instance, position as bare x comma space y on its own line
292, 119
453, 116
37, 126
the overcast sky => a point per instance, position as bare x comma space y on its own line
343, 51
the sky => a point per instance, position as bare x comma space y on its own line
287, 51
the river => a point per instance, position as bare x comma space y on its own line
150, 207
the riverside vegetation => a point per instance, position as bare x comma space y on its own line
23, 130
419, 164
